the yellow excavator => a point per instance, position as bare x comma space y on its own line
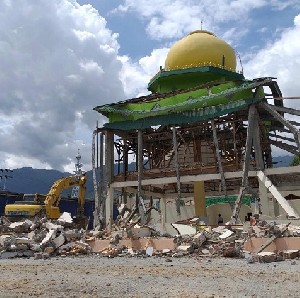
48, 205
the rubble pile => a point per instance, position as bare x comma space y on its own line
41, 238
259, 241
199, 240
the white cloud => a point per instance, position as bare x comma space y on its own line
169, 19
280, 59
58, 61
136, 75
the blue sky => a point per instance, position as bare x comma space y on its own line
262, 24
61, 58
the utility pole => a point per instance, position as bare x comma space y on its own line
4, 176
78, 172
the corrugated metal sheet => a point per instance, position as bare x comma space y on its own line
183, 117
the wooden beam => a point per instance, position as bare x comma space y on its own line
286, 110
285, 122
175, 149
206, 177
95, 184
102, 187
140, 162
256, 141
249, 141
216, 143
277, 195
277, 136
292, 149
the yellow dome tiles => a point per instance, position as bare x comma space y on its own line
201, 48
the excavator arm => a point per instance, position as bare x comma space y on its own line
53, 197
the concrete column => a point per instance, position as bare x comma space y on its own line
276, 207
109, 166
163, 210
264, 201
199, 199
109, 206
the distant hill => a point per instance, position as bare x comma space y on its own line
29, 180
282, 161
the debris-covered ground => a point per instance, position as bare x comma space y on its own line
95, 276
55, 258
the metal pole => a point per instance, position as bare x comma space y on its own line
175, 148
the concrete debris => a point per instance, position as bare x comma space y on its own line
65, 218
185, 229
41, 238
199, 240
226, 234
261, 241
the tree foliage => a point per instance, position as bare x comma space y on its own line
295, 161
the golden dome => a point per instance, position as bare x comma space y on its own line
201, 48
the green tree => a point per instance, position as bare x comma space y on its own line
295, 161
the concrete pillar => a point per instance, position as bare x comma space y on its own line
109, 167
199, 199
163, 210
276, 207
264, 201
109, 206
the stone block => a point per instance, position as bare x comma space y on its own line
59, 241
72, 235
8, 254
7, 240
199, 238
267, 257
23, 240
49, 250
140, 232
185, 229
290, 254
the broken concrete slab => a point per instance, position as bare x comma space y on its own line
65, 218
8, 254
6, 240
226, 234
266, 257
72, 235
49, 236
98, 245
164, 229
199, 238
184, 247
290, 254
23, 240
141, 232
219, 229
21, 226
185, 229
59, 241
51, 226
279, 244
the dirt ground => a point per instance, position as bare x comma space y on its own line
94, 276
